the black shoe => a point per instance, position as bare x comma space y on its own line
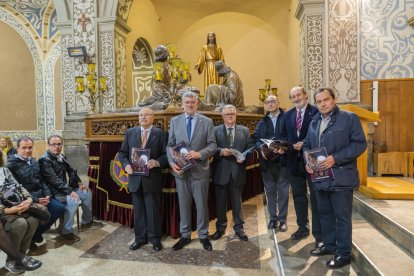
242, 236
319, 244
206, 244
28, 264
338, 262
181, 243
299, 234
322, 251
283, 226
273, 224
136, 245
217, 235
156, 245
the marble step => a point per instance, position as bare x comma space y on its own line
389, 217
374, 253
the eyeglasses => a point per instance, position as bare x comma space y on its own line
271, 101
229, 114
145, 115
56, 145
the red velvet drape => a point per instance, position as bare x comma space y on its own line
113, 203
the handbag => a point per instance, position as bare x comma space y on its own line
39, 211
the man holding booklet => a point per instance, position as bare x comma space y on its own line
334, 141
143, 156
233, 144
193, 133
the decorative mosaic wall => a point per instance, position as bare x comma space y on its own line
107, 68
141, 70
343, 62
387, 41
312, 52
83, 35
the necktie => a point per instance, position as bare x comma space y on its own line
188, 126
230, 135
298, 121
144, 138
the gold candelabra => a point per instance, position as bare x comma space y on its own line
92, 84
267, 91
180, 76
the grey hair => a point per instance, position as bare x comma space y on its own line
229, 106
190, 94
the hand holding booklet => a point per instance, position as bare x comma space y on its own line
313, 160
271, 147
178, 153
240, 156
139, 161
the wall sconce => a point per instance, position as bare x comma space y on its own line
95, 85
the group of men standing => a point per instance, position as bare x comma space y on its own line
305, 127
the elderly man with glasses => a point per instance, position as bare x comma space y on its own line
54, 169
274, 172
229, 174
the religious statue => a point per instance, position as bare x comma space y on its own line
209, 54
160, 92
230, 91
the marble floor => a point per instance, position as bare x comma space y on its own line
105, 251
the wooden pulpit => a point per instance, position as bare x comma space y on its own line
365, 117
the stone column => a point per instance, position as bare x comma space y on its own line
310, 13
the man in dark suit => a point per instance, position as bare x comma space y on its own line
341, 133
146, 190
229, 174
274, 172
297, 122
196, 130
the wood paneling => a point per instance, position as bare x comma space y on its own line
396, 107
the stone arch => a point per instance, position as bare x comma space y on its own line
142, 62
39, 133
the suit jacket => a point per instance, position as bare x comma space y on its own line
227, 166
156, 142
203, 141
345, 140
294, 156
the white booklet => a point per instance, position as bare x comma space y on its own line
241, 156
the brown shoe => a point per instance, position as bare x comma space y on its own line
91, 224
70, 237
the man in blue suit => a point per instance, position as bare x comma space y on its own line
297, 122
340, 132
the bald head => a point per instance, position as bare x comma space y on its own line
146, 117
298, 96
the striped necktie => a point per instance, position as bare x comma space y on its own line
298, 122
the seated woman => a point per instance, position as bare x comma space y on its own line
6, 146
22, 262
14, 201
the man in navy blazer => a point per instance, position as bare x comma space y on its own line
297, 122
146, 190
341, 133
196, 131
229, 174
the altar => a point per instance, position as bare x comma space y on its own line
112, 201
